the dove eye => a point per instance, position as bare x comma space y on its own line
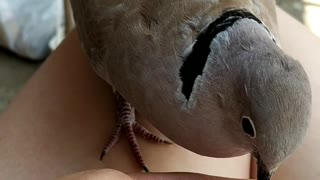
248, 127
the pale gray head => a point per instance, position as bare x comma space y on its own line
265, 94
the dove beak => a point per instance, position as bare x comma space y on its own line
263, 172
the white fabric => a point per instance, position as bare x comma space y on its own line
27, 26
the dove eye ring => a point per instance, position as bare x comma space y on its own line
248, 127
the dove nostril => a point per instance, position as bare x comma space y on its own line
248, 127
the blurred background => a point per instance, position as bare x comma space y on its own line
31, 29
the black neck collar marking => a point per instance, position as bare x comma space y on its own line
195, 62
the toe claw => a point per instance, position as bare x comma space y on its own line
145, 169
102, 155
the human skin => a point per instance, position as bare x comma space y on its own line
60, 121
117, 175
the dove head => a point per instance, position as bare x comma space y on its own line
272, 92
276, 102
265, 94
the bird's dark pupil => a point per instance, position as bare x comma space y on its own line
248, 127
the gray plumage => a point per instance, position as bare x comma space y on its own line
139, 47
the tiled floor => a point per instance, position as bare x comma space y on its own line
306, 11
293, 7
14, 71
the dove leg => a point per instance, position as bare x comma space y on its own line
126, 122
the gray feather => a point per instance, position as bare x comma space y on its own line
139, 47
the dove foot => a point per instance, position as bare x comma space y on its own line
126, 123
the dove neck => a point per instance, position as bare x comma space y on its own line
196, 60
226, 20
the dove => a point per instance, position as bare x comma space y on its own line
209, 74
